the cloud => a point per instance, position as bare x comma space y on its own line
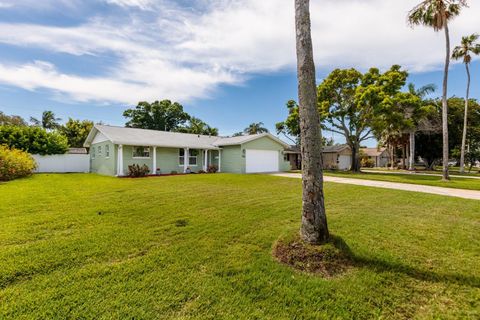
183, 53
142, 4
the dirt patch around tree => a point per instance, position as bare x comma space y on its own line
328, 260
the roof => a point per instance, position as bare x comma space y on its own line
325, 149
373, 152
77, 151
144, 137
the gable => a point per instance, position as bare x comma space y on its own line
263, 143
99, 137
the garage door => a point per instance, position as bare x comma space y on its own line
261, 161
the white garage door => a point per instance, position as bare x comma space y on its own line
261, 161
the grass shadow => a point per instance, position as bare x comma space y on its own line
379, 265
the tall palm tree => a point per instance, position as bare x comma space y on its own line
437, 14
255, 128
464, 51
421, 93
314, 227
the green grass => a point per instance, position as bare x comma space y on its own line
456, 183
438, 171
199, 247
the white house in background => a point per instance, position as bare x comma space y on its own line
380, 156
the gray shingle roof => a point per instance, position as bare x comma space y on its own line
143, 137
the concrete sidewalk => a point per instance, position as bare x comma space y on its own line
449, 192
418, 174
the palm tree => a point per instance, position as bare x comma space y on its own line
314, 227
464, 51
421, 94
255, 128
49, 121
436, 14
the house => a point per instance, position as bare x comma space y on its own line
379, 156
337, 157
113, 149
334, 157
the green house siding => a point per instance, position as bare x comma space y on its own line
102, 164
232, 159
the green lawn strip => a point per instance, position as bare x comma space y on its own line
457, 183
199, 247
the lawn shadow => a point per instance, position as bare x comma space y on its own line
379, 265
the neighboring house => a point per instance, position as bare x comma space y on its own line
113, 149
334, 157
380, 156
337, 157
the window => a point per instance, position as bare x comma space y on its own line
92, 151
141, 152
107, 151
192, 157
99, 151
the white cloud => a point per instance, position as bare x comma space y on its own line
142, 4
183, 53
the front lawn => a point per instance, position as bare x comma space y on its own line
457, 183
199, 247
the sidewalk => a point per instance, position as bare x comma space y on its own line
449, 192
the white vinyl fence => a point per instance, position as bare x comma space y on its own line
61, 163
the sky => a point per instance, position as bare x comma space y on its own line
228, 62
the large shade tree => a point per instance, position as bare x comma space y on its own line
437, 14
350, 103
464, 52
13, 120
162, 115
76, 131
198, 126
314, 227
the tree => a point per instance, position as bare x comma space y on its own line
159, 115
49, 121
255, 128
417, 115
314, 228
291, 126
197, 126
6, 120
464, 52
350, 102
437, 14
34, 140
76, 131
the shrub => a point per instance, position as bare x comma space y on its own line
138, 171
34, 140
15, 164
201, 171
173, 172
212, 169
367, 163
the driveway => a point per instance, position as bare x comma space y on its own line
449, 192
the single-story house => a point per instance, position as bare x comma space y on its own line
334, 157
113, 149
380, 156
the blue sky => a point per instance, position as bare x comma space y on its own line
229, 62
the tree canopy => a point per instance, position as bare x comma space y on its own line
6, 120
76, 131
49, 121
255, 128
159, 115
352, 104
34, 140
197, 126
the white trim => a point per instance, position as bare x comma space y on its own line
219, 160
120, 160
144, 147
186, 153
154, 161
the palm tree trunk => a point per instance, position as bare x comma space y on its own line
465, 123
411, 163
445, 106
314, 227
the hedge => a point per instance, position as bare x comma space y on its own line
15, 164
34, 140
